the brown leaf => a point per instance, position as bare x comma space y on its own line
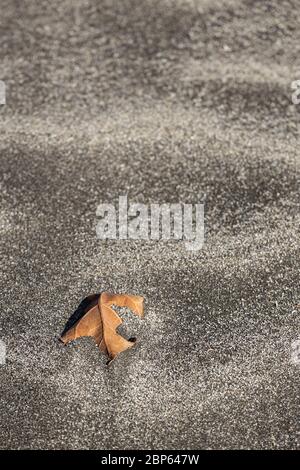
95, 317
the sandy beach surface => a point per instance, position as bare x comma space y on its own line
164, 101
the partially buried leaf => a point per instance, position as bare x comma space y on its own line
95, 317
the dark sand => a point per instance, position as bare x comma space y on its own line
160, 100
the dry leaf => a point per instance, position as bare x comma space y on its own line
95, 317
